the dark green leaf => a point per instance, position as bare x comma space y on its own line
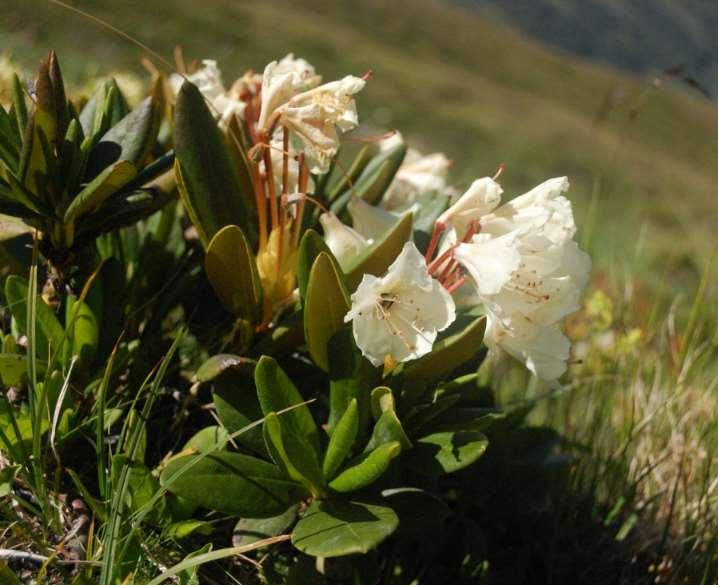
293, 454
218, 364
206, 176
250, 530
132, 138
447, 355
231, 483
276, 392
446, 452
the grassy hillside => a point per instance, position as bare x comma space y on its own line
640, 36
450, 81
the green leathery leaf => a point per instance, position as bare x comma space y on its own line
276, 392
377, 258
231, 483
310, 246
235, 400
367, 468
374, 180
387, 429
293, 454
49, 330
333, 528
109, 181
105, 108
447, 354
345, 180
249, 530
446, 452
208, 439
124, 209
342, 440
351, 377
132, 138
206, 177
325, 306
232, 270
218, 364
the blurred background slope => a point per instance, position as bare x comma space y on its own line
641, 156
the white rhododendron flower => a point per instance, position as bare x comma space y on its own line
208, 80
526, 269
344, 242
399, 315
417, 176
544, 350
481, 198
314, 117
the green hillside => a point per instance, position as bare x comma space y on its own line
453, 81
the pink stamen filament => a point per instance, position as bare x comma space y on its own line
438, 230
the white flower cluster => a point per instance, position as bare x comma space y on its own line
518, 260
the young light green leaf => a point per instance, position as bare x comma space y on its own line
366, 469
342, 440
293, 454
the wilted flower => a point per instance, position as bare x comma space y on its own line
208, 80
344, 242
399, 315
314, 115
